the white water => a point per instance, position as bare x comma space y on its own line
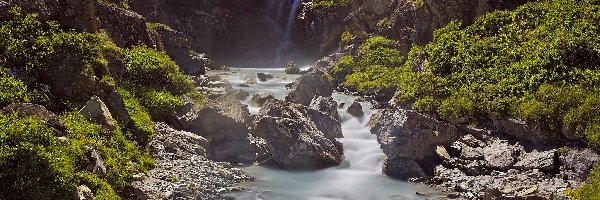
286, 41
359, 177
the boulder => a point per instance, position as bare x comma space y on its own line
239, 94
96, 163
543, 160
125, 28
84, 193
523, 131
178, 142
501, 155
264, 77
258, 100
410, 139
326, 105
355, 110
292, 68
95, 110
224, 123
178, 47
308, 86
470, 153
576, 163
28, 109
299, 137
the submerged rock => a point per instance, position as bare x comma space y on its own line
299, 137
264, 77
410, 140
355, 110
308, 86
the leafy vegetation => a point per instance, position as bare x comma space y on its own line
329, 4
540, 63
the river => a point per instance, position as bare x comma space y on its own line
359, 176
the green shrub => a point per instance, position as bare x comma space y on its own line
142, 125
32, 163
156, 26
330, 4
148, 67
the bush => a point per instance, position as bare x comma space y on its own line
330, 4
142, 125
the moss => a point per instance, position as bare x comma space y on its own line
152, 26
330, 4
346, 37
143, 127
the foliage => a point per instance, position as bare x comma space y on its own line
156, 26
142, 125
346, 37
329, 4
13, 90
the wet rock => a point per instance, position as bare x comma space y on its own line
355, 110
28, 109
84, 193
576, 163
224, 123
410, 139
292, 68
239, 94
299, 137
264, 77
258, 100
326, 105
543, 160
501, 155
95, 110
96, 163
250, 81
308, 86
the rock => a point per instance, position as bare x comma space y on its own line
520, 130
308, 86
84, 193
543, 160
264, 77
182, 171
299, 137
326, 105
243, 85
125, 28
239, 94
96, 163
355, 110
501, 155
250, 81
258, 100
95, 110
224, 123
177, 46
114, 102
470, 153
292, 68
410, 139
576, 163
442, 153
28, 109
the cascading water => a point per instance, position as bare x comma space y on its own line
358, 177
286, 40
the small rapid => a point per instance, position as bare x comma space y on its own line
359, 176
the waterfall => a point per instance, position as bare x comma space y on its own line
286, 41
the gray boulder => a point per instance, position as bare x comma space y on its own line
84, 193
535, 159
95, 110
264, 77
260, 99
28, 109
326, 105
299, 137
355, 110
305, 88
500, 155
576, 163
292, 68
523, 131
96, 163
411, 139
224, 123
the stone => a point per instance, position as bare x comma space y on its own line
28, 109
125, 28
308, 86
500, 155
442, 153
239, 94
470, 153
96, 163
576, 163
84, 193
411, 138
264, 77
543, 160
355, 110
258, 100
520, 130
224, 122
250, 81
95, 110
299, 137
326, 105
292, 68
